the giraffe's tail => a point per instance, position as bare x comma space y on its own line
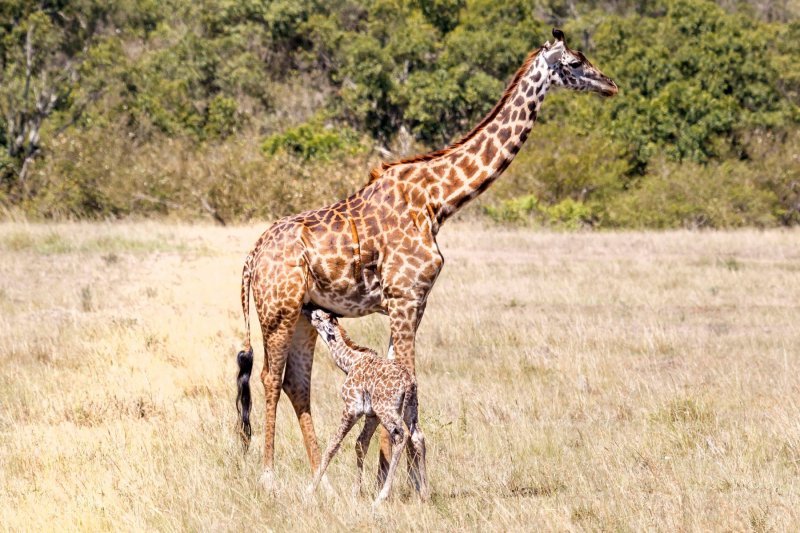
247, 273
243, 403
245, 359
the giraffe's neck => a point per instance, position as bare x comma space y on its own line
343, 351
462, 173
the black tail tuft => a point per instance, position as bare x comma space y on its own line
245, 361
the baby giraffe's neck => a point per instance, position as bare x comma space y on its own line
344, 352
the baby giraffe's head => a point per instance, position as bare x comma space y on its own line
323, 321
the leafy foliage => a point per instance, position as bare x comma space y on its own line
694, 80
703, 133
313, 140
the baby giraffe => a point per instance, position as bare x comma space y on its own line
381, 389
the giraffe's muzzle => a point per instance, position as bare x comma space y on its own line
609, 87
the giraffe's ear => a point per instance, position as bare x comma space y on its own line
553, 54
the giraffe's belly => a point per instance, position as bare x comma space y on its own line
352, 301
348, 287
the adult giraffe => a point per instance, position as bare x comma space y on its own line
376, 251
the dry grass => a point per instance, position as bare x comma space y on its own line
568, 381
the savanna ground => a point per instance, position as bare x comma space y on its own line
568, 381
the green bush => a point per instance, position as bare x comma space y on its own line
222, 117
567, 214
313, 140
520, 209
725, 195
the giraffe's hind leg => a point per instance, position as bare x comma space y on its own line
297, 384
278, 297
399, 437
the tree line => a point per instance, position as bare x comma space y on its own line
257, 108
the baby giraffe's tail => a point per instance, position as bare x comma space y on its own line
245, 358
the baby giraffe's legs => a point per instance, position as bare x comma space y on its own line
348, 421
399, 438
362, 445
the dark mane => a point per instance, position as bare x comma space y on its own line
376, 172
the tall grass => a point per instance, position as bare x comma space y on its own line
567, 381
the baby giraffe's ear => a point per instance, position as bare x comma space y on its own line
554, 53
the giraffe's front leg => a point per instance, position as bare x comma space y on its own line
404, 319
405, 291
362, 445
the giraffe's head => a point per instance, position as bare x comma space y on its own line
571, 69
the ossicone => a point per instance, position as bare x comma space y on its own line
558, 34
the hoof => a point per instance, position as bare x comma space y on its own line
379, 500
425, 495
267, 481
326, 486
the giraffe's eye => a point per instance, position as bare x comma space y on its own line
575, 64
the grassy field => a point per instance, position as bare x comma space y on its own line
567, 382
